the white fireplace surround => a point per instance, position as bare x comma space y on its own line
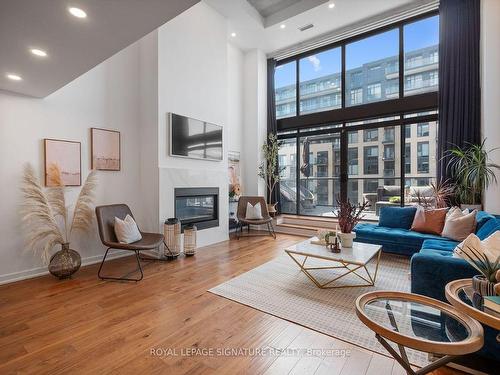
171, 178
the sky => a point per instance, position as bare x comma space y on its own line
417, 35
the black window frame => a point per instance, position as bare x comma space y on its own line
295, 126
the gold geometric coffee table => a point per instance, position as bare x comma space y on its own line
352, 260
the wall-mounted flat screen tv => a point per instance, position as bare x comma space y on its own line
191, 138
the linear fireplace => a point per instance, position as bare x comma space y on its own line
198, 206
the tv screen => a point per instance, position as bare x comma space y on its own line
192, 138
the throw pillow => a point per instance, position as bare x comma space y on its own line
253, 212
490, 246
126, 231
396, 217
429, 221
459, 224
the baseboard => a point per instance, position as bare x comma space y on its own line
41, 271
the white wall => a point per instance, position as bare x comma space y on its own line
187, 67
193, 81
107, 97
490, 82
254, 118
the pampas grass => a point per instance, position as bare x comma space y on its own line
41, 209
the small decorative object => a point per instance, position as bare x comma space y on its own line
483, 284
65, 262
62, 163
233, 161
189, 240
172, 234
348, 215
269, 170
45, 216
472, 171
105, 149
333, 244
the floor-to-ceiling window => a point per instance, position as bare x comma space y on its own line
358, 119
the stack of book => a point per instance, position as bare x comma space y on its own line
491, 305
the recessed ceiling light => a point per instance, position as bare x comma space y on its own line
233, 34
14, 77
331, 5
282, 26
38, 52
77, 12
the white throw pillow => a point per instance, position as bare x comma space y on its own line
126, 231
490, 246
459, 224
253, 212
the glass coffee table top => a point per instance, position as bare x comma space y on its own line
414, 319
419, 322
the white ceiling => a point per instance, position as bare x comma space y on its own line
73, 45
253, 30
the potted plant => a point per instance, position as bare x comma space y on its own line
47, 220
269, 170
348, 215
484, 283
472, 172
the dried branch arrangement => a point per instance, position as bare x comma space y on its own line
349, 214
45, 214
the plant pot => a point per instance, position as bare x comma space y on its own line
483, 286
346, 239
271, 208
65, 262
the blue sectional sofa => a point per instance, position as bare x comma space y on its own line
432, 261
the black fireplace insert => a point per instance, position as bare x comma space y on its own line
198, 206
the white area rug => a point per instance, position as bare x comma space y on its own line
279, 288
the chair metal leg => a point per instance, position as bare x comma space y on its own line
271, 231
120, 278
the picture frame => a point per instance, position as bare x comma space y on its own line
67, 157
105, 149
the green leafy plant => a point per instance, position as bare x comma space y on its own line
486, 267
269, 170
472, 171
395, 199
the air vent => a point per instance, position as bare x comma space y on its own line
306, 27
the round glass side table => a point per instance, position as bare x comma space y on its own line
421, 323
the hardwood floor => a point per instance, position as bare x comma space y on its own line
85, 325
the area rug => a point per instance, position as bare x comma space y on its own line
279, 288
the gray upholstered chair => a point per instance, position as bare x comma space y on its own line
241, 215
106, 224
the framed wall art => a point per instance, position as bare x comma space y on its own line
105, 149
63, 163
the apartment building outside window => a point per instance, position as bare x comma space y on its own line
371, 157
371, 160
423, 130
423, 157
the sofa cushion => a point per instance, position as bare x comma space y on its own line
403, 237
397, 217
489, 227
441, 245
481, 218
444, 253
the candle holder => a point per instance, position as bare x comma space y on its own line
334, 247
172, 235
189, 240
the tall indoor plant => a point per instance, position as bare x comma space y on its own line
269, 170
472, 171
47, 220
